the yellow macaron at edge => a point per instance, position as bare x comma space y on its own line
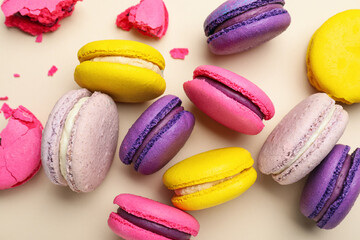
217, 194
207, 167
125, 48
124, 83
333, 57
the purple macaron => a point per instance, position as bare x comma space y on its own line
157, 135
238, 25
332, 187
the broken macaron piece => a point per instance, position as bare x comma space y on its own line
332, 188
149, 17
141, 218
20, 144
157, 135
229, 99
128, 71
36, 17
80, 139
302, 139
210, 178
238, 25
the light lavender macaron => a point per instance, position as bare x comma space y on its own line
302, 139
80, 139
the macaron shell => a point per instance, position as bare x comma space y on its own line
52, 134
93, 142
168, 144
238, 38
217, 194
123, 48
333, 58
124, 83
127, 230
157, 212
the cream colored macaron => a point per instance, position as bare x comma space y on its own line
128, 71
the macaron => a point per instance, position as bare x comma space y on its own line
229, 99
332, 188
20, 144
157, 135
79, 140
238, 25
302, 139
36, 17
333, 57
128, 71
139, 218
210, 178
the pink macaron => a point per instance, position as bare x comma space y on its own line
80, 139
230, 99
20, 144
139, 218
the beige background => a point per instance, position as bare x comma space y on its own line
40, 210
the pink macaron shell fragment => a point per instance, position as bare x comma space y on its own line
52, 71
159, 213
240, 84
16, 75
179, 53
10, 7
39, 38
19, 147
150, 17
4, 98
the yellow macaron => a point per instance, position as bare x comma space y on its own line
210, 178
333, 57
128, 71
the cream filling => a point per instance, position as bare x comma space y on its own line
65, 136
200, 187
130, 61
310, 141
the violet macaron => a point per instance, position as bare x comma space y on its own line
229, 99
79, 140
238, 25
302, 139
332, 188
157, 135
139, 218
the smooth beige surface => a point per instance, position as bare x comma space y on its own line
40, 210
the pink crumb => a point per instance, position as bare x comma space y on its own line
4, 98
179, 53
52, 70
16, 75
39, 38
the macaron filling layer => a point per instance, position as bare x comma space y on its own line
66, 133
137, 62
203, 186
153, 226
235, 95
337, 189
248, 15
310, 141
130, 155
160, 128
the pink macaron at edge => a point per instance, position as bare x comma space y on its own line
157, 212
240, 84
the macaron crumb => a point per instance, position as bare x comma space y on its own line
39, 38
52, 71
16, 75
4, 98
179, 53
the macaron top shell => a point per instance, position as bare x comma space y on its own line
52, 134
333, 57
125, 48
157, 212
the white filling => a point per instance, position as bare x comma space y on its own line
200, 187
311, 140
130, 61
65, 136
